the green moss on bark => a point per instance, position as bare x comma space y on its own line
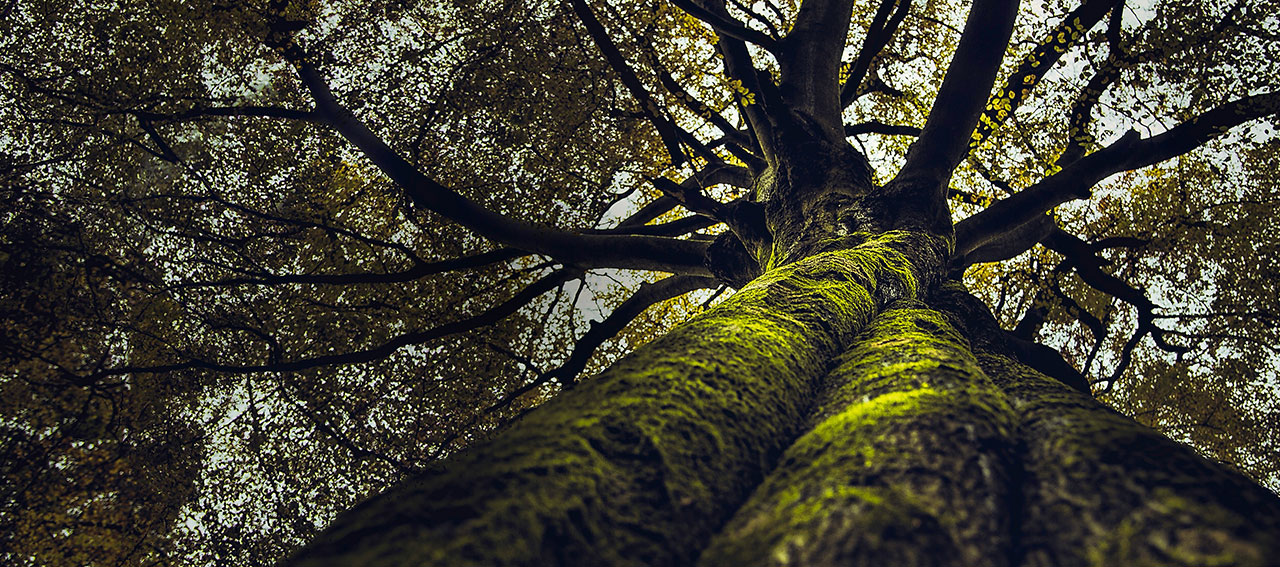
1101, 489
640, 465
908, 462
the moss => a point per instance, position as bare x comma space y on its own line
1102, 489
907, 461
640, 465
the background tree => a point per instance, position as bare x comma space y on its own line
263, 259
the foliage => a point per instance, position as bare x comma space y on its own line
226, 316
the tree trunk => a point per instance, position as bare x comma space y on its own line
842, 409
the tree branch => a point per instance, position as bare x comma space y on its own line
731, 134
488, 317
667, 130
678, 227
883, 26
963, 95
1076, 180
711, 175
691, 198
1035, 64
1090, 268
1118, 60
739, 66
616, 251
810, 60
943, 141
725, 25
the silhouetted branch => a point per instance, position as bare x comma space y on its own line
707, 177
732, 135
760, 18
617, 251
1090, 269
883, 25
1119, 60
690, 198
1030, 204
667, 130
1035, 64
1076, 181
1118, 242
486, 318
725, 25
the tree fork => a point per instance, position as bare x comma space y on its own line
910, 462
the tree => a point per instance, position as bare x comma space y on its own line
264, 259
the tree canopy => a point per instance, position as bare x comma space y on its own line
262, 259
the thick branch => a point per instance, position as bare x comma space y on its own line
810, 61
1129, 152
1199, 130
1074, 182
945, 138
637, 252
1005, 245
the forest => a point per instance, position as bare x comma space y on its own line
651, 282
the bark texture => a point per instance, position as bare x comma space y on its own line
641, 465
1102, 489
909, 462
823, 415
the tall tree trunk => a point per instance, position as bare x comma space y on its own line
842, 409
847, 406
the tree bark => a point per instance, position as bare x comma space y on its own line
825, 414
641, 465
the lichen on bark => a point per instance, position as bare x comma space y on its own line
908, 462
1101, 489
